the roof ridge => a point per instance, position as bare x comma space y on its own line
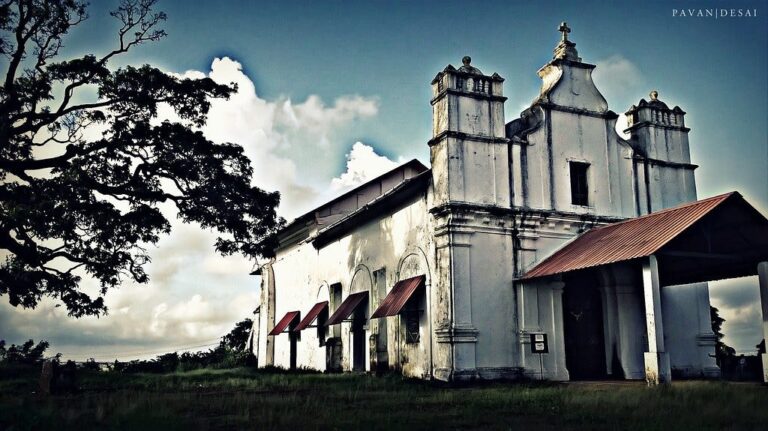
376, 200
722, 196
311, 212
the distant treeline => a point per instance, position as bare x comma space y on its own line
222, 356
231, 352
28, 353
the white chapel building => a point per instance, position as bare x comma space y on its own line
547, 247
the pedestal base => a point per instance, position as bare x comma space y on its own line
657, 369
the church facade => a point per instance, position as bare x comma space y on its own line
427, 271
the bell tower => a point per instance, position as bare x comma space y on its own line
471, 188
659, 131
468, 148
658, 134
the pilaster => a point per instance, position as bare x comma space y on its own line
561, 371
458, 332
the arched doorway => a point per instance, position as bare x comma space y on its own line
361, 282
359, 319
583, 327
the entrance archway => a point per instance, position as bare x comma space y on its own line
358, 338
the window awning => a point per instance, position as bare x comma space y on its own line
347, 308
284, 322
398, 297
311, 316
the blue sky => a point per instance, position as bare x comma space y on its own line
319, 76
713, 69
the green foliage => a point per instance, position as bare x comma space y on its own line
28, 353
221, 357
722, 350
230, 353
238, 336
81, 181
91, 365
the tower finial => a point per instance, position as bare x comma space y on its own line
566, 50
467, 67
654, 95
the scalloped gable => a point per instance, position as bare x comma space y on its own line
569, 84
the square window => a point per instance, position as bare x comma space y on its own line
579, 183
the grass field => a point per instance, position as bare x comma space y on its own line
248, 399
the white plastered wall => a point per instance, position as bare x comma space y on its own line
400, 243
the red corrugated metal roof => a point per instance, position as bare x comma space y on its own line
347, 308
311, 316
398, 296
284, 322
626, 240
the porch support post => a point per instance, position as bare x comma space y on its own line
762, 277
657, 369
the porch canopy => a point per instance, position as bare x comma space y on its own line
712, 239
347, 308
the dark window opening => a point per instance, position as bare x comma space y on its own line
335, 296
321, 329
382, 355
411, 316
579, 185
460, 83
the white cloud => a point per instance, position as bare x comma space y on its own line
738, 301
195, 295
363, 164
617, 76
265, 127
622, 83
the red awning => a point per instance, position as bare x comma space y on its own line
284, 322
347, 308
311, 316
398, 296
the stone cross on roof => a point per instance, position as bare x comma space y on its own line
566, 50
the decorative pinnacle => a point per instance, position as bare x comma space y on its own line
564, 30
654, 95
466, 60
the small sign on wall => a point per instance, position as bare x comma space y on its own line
539, 343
